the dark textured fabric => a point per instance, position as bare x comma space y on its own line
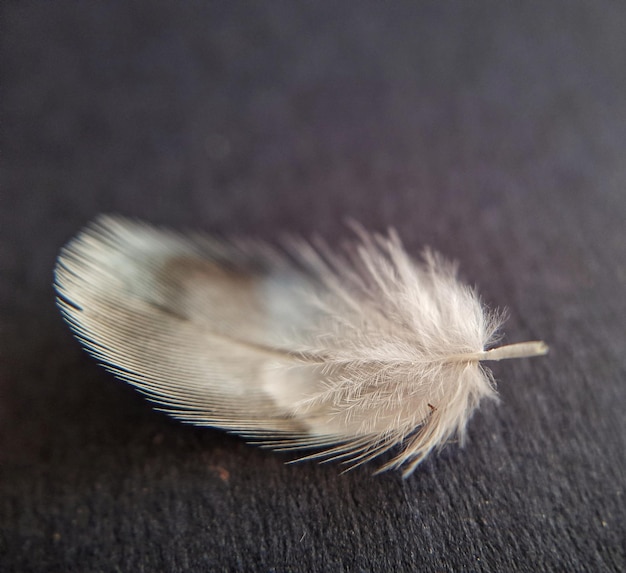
494, 132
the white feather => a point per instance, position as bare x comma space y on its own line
347, 354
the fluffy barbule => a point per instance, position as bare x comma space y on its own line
346, 354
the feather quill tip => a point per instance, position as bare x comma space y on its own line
528, 349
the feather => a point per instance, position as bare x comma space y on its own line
346, 354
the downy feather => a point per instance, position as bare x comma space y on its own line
348, 354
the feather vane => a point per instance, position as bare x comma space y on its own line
348, 354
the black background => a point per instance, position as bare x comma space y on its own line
494, 132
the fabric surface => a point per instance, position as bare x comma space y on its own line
493, 132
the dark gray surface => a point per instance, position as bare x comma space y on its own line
494, 132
